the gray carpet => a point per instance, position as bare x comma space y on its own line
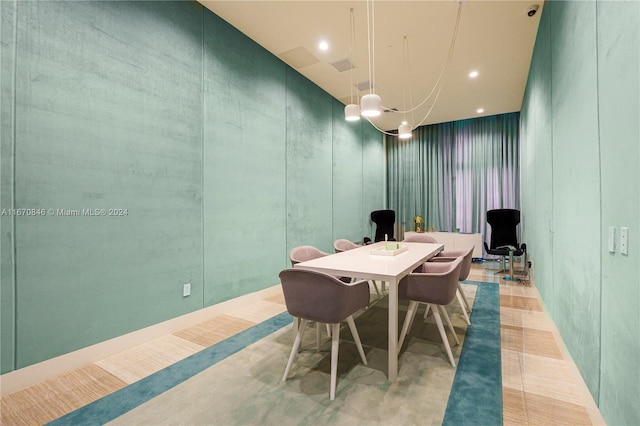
246, 388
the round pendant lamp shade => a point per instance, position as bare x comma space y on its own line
370, 105
404, 131
352, 112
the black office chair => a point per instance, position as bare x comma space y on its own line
504, 239
384, 220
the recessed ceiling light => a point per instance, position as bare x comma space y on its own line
473, 74
323, 45
480, 110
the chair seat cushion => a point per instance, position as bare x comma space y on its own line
504, 252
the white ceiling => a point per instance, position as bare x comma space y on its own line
496, 38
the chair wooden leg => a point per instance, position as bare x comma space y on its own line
445, 314
464, 296
356, 338
318, 326
463, 307
328, 330
408, 319
296, 346
426, 312
375, 286
436, 315
296, 328
335, 342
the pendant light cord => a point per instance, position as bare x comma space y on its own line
405, 68
373, 44
352, 42
437, 85
370, 43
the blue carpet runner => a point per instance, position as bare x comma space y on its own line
476, 394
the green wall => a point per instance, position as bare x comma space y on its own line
580, 156
224, 157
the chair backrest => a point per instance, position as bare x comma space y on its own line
320, 297
304, 253
384, 220
420, 238
343, 245
467, 258
437, 284
503, 224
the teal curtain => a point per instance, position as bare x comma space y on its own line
452, 173
421, 177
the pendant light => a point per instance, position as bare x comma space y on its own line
404, 130
352, 111
371, 104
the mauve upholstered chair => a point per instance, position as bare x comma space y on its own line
302, 254
437, 287
420, 238
446, 255
313, 296
465, 269
341, 245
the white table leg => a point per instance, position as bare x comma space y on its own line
393, 331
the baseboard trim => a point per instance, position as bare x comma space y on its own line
37, 373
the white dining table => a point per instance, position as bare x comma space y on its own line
362, 263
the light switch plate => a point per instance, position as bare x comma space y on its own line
624, 240
612, 239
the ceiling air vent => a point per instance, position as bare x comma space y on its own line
343, 64
363, 85
298, 57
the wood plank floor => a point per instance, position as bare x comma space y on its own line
541, 384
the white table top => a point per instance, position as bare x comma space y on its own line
361, 263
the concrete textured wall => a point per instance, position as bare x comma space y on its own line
223, 157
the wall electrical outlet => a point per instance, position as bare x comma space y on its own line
186, 290
624, 240
612, 239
